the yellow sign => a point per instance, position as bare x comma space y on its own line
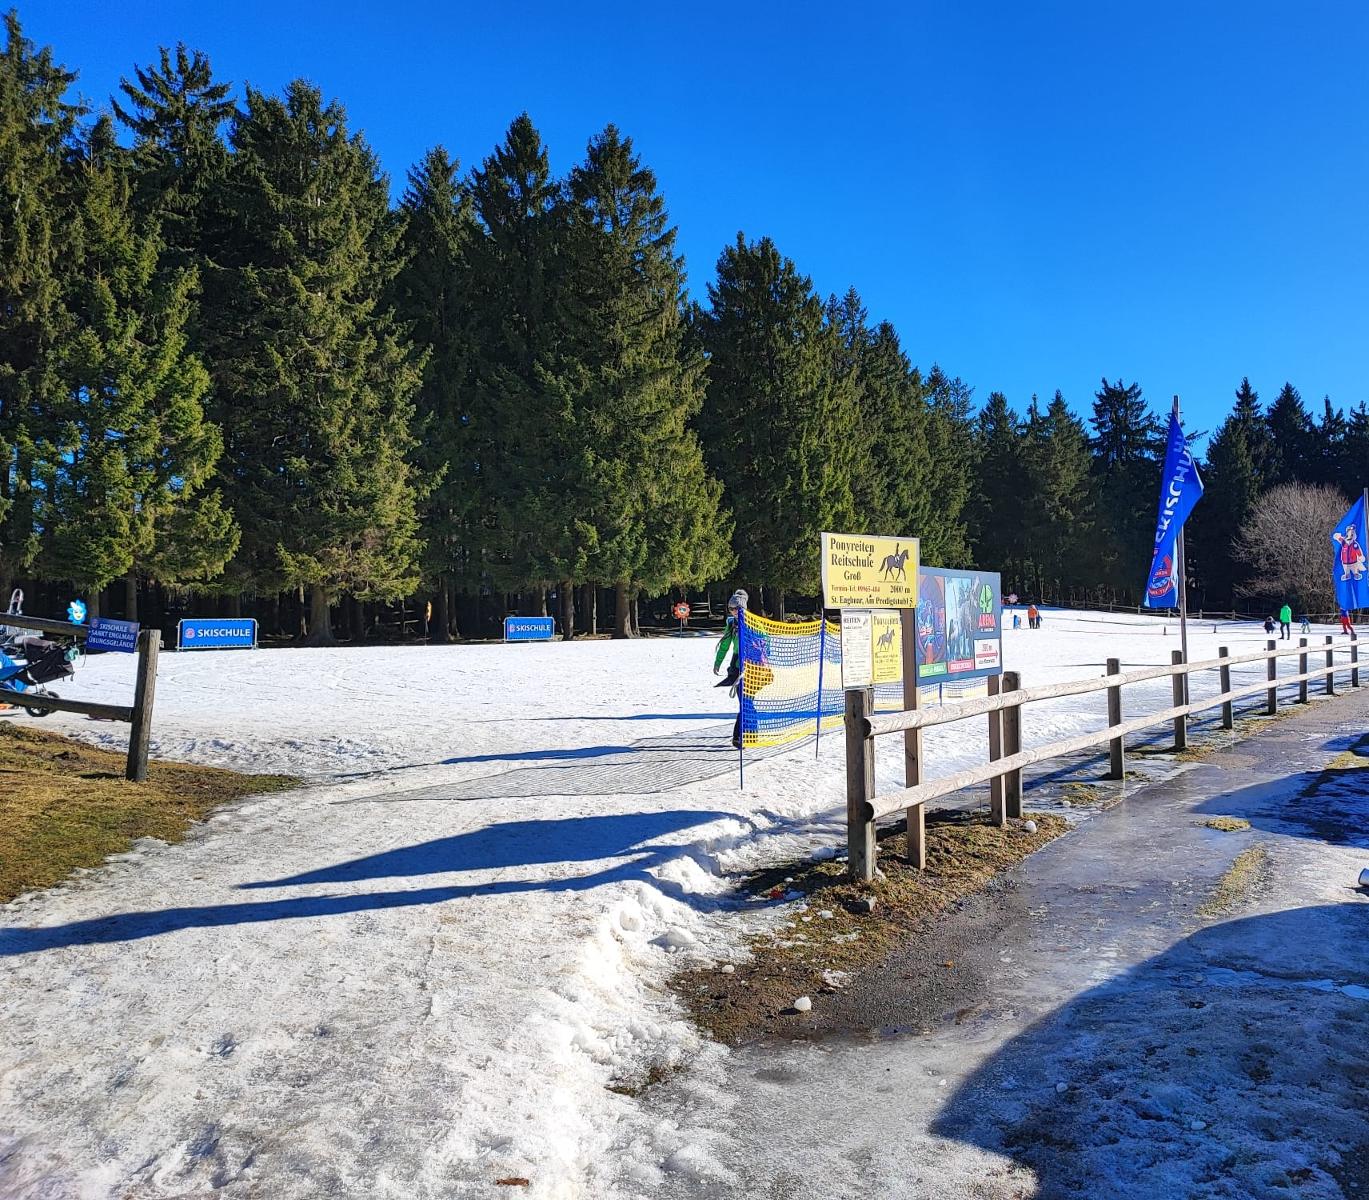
886, 634
860, 571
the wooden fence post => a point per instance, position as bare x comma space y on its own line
149, 642
1179, 691
1271, 669
912, 738
997, 812
1224, 671
1117, 751
860, 786
1012, 744
1354, 663
1302, 670
1330, 666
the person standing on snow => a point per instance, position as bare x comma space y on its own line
1306, 624
1285, 623
732, 640
1269, 624
1347, 626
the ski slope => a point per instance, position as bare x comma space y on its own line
421, 972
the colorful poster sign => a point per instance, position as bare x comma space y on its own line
864, 571
857, 666
886, 635
959, 624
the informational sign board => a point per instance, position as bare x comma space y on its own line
857, 663
108, 634
959, 624
863, 571
529, 629
886, 635
217, 633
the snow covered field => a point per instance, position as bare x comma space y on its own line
420, 973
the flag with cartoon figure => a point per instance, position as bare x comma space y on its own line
1349, 571
1180, 489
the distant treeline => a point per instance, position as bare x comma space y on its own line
231, 368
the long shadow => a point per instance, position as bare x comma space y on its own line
628, 836
575, 752
1233, 1065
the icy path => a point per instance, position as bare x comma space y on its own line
422, 973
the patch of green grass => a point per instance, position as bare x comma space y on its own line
64, 805
1227, 824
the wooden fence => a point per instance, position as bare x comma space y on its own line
1003, 708
138, 714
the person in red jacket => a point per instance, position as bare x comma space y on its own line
1347, 626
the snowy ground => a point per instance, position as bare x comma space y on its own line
419, 974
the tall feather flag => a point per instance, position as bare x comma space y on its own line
1181, 487
1349, 571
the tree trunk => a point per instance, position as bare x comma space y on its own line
567, 594
235, 604
301, 616
356, 619
320, 617
93, 604
441, 632
780, 612
622, 611
591, 599
272, 618
636, 607
130, 597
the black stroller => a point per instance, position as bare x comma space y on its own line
40, 662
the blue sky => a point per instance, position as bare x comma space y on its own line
1036, 194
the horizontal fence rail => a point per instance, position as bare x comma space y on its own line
138, 715
1007, 759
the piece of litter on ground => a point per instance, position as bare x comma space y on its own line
1197, 1126
825, 914
1062, 1087
802, 1004
728, 968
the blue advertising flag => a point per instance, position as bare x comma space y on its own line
1180, 489
1347, 559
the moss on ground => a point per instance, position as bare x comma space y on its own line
831, 936
1239, 883
1227, 824
64, 805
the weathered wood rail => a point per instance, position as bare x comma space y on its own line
1006, 759
138, 715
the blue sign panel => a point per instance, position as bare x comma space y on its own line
108, 634
217, 633
529, 629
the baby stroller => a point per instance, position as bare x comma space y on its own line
40, 662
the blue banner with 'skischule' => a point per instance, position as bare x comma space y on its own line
1180, 489
1349, 571
217, 633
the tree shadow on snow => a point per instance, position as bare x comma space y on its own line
628, 837
1233, 1065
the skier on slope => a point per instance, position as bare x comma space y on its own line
1285, 623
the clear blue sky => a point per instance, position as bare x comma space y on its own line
1036, 194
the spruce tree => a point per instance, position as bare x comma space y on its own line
952, 452
1058, 516
36, 200
1234, 476
1127, 447
648, 512
124, 489
1328, 447
314, 383
998, 506
431, 296
1293, 451
779, 417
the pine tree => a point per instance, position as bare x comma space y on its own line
1355, 451
314, 384
1059, 515
176, 113
1234, 477
1328, 447
522, 422
1293, 452
124, 489
36, 191
998, 507
649, 514
951, 452
779, 416
431, 295
1127, 446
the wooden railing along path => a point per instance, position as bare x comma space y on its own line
1003, 707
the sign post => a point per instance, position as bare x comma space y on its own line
681, 611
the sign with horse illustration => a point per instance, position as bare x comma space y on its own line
864, 571
959, 624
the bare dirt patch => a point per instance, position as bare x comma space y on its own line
831, 937
64, 805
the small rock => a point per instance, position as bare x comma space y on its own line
1028, 826
802, 1004
728, 968
1197, 1126
825, 914
1062, 1087
865, 904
